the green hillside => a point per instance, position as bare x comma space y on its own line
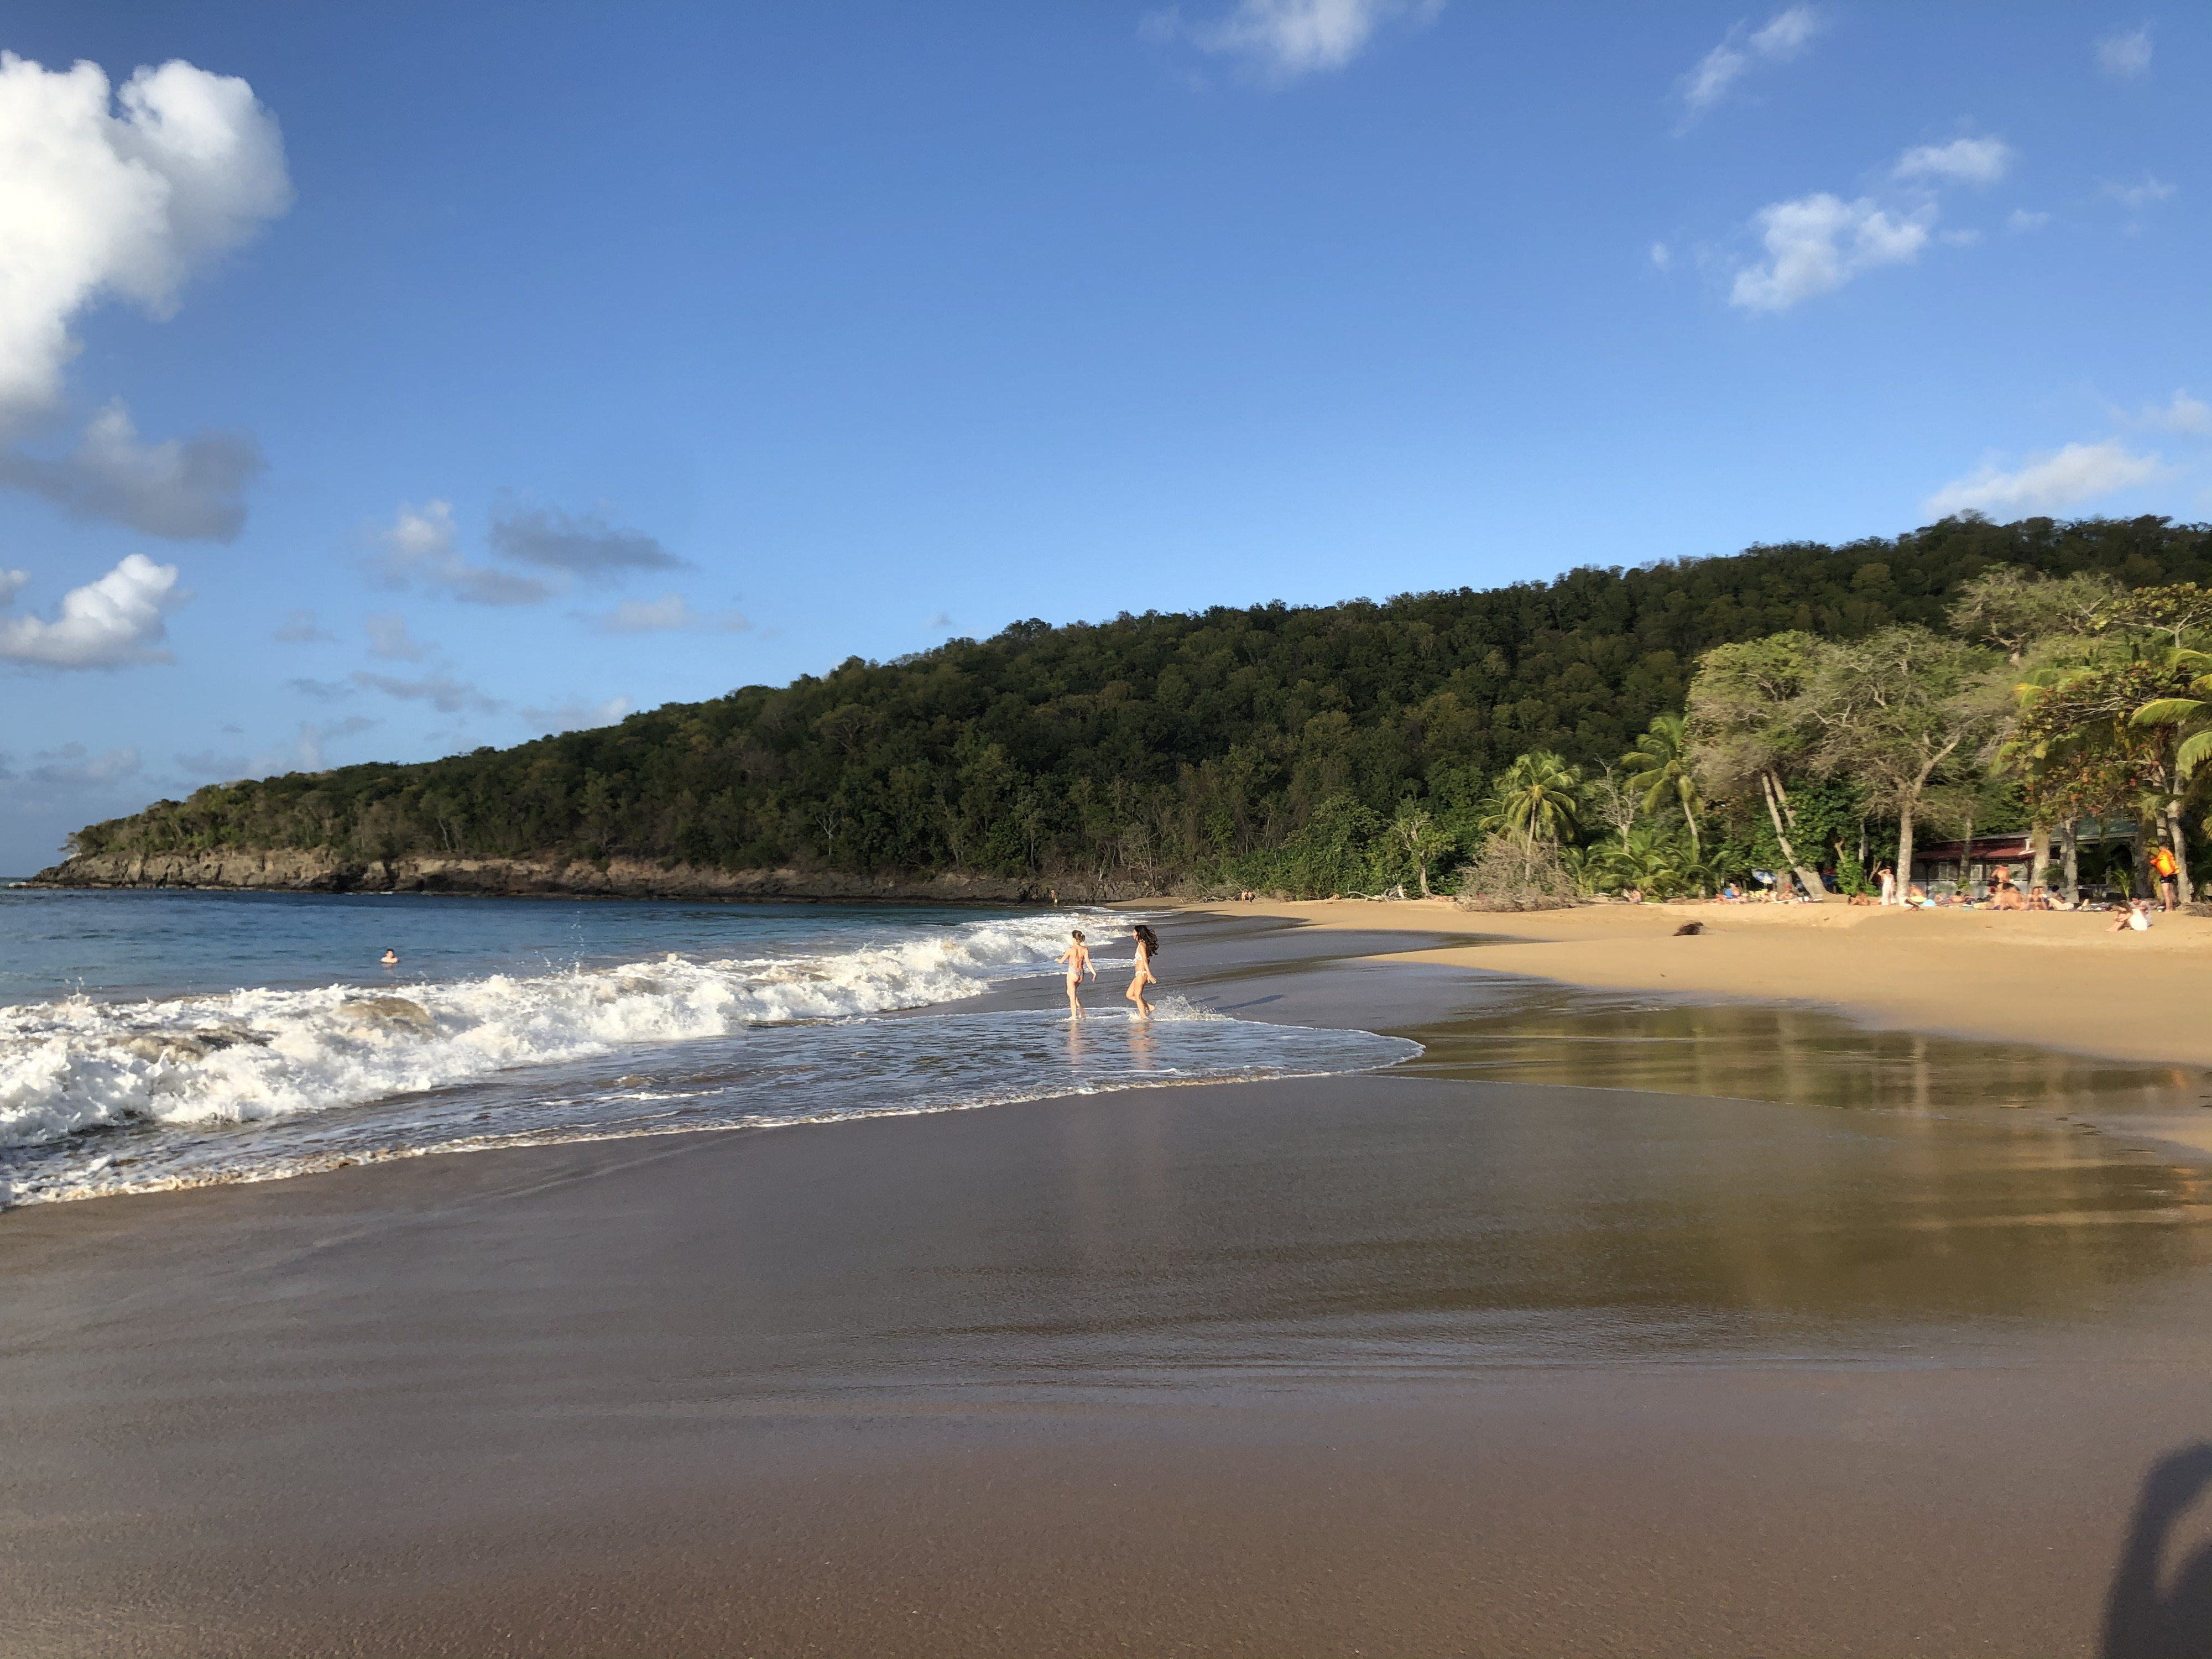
1154, 749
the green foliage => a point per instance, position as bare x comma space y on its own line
1271, 747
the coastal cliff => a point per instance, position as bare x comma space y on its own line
287, 870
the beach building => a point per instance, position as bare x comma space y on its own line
1946, 866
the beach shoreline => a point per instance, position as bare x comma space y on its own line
1397, 1361
2056, 980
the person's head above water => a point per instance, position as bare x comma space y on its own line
389, 955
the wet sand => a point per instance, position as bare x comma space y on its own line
1447, 1361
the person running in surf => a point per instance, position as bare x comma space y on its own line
1078, 958
1148, 946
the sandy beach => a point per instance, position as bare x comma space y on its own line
2059, 981
1420, 1362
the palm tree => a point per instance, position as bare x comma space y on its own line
1534, 799
1660, 766
2187, 720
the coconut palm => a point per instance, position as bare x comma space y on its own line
1533, 800
1659, 766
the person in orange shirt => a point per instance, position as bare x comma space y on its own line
2169, 874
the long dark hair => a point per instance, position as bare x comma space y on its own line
1149, 939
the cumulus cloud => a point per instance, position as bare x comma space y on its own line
185, 489
388, 637
2023, 219
2142, 195
1820, 242
1284, 40
1961, 161
74, 766
438, 688
104, 624
2124, 56
2077, 473
576, 716
300, 627
1783, 37
584, 544
671, 613
120, 195
423, 545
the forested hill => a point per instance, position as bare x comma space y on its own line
1146, 749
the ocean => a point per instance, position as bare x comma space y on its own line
156, 1040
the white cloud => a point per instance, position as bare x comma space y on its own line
2022, 219
939, 619
574, 716
12, 582
1818, 243
2125, 55
74, 765
2077, 473
1661, 255
1287, 38
98, 200
2142, 195
185, 489
301, 628
1963, 161
388, 637
2184, 414
103, 624
1784, 36
671, 613
421, 545
437, 688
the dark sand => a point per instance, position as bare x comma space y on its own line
1403, 1364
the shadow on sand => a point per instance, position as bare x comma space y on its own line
2143, 1617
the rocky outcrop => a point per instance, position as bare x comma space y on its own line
287, 870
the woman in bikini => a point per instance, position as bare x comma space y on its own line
1148, 946
1078, 958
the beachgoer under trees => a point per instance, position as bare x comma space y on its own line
1078, 958
2136, 917
1887, 879
2168, 871
1148, 946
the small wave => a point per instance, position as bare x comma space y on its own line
259, 1054
766, 1077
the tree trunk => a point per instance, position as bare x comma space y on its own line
2038, 856
1809, 879
1421, 869
2069, 841
1904, 850
2178, 839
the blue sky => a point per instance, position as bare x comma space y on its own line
468, 373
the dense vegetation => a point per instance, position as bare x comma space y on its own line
1315, 750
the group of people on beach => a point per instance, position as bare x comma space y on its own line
1077, 959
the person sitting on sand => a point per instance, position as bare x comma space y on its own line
1148, 946
390, 958
2039, 897
1633, 894
1078, 958
2136, 917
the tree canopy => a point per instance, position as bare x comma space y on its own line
1272, 745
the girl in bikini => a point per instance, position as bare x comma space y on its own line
1078, 958
1148, 946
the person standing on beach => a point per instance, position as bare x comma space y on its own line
1148, 946
1078, 958
2168, 871
1887, 878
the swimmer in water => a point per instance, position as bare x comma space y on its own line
1078, 958
390, 958
1148, 946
